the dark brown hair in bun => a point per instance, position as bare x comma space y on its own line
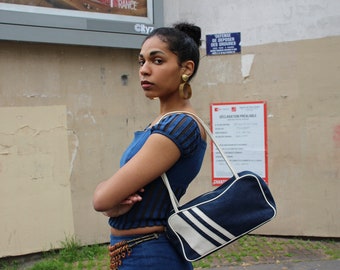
183, 39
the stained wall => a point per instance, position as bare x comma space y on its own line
66, 116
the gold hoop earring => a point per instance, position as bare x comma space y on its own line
185, 91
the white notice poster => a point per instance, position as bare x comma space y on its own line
241, 131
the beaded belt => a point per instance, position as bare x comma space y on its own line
124, 248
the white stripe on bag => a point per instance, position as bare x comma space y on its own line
213, 224
203, 228
196, 241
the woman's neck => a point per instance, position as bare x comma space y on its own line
183, 105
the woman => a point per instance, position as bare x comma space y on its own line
135, 198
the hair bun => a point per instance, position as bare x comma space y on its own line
191, 30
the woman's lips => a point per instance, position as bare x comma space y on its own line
146, 85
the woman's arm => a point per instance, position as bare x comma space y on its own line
117, 194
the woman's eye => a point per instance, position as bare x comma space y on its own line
141, 62
158, 61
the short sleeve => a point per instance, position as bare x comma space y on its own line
182, 129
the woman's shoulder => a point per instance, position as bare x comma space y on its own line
177, 121
184, 119
182, 129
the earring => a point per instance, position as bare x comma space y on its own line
185, 91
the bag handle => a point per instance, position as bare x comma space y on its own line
173, 198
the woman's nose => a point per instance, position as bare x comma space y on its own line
144, 70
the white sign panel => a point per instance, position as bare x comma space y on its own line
241, 130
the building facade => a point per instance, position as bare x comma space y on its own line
67, 112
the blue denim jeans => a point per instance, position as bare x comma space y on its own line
154, 254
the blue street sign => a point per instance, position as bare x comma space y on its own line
225, 43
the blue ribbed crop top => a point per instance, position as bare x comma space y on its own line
155, 206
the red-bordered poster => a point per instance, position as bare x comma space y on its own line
241, 130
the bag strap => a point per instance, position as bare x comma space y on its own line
173, 198
174, 201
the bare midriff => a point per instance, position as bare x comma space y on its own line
145, 230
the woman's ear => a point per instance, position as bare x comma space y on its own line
188, 67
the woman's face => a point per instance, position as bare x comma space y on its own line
159, 72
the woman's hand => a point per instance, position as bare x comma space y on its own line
124, 206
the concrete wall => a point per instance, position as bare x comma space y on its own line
66, 117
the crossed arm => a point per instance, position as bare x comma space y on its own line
119, 193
